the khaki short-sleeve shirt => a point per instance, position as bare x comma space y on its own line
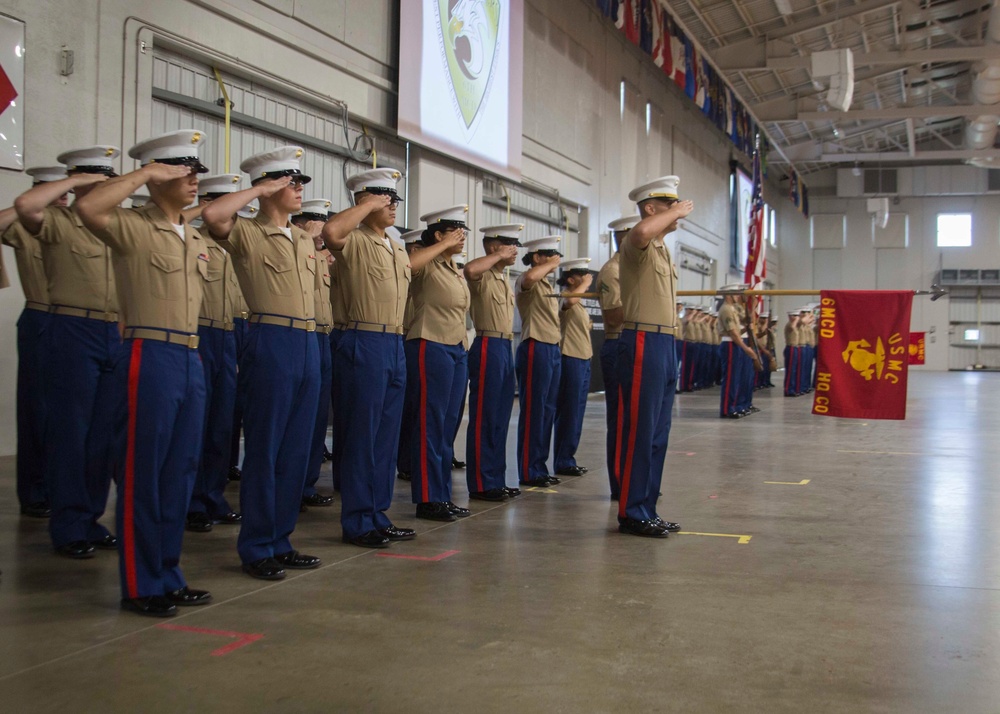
575, 324
218, 301
539, 312
791, 336
492, 302
729, 320
609, 284
277, 274
376, 278
440, 299
648, 284
4, 280
324, 287
159, 276
31, 269
77, 264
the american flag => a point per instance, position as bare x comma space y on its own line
756, 268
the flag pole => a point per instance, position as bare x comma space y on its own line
935, 292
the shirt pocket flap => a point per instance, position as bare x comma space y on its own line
87, 250
278, 265
166, 262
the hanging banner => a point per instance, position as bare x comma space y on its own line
918, 342
862, 359
11, 93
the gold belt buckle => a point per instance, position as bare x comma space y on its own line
192, 342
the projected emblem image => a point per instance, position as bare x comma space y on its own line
469, 32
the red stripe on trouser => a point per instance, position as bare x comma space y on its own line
640, 341
684, 364
424, 485
479, 412
618, 440
729, 378
788, 369
527, 413
128, 507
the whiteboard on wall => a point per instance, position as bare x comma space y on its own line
11, 93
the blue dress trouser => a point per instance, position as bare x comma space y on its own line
436, 379
571, 404
217, 348
335, 336
280, 373
240, 331
747, 378
537, 367
730, 396
322, 414
491, 400
609, 371
80, 356
647, 375
408, 430
790, 371
160, 412
31, 407
805, 373
371, 382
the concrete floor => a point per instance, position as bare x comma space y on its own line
873, 588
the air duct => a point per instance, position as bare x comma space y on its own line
981, 132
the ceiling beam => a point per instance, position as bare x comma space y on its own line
894, 156
904, 58
922, 112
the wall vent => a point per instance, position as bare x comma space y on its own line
880, 181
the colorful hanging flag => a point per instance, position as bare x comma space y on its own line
631, 22
756, 267
918, 345
862, 361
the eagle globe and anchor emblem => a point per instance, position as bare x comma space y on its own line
469, 33
870, 361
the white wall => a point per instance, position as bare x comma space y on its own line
575, 139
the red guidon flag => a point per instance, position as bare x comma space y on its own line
862, 360
918, 345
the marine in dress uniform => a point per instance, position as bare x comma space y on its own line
311, 219
491, 364
369, 363
538, 362
276, 267
217, 347
577, 350
404, 468
31, 491
793, 358
81, 346
241, 328
807, 342
160, 265
437, 372
737, 358
647, 368
338, 313
610, 291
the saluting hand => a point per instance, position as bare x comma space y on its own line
375, 201
587, 280
314, 228
683, 208
161, 173
553, 262
453, 238
87, 179
508, 252
272, 186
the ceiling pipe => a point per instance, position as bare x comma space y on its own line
981, 132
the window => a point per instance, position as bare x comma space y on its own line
972, 335
954, 230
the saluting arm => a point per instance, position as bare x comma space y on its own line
96, 207
581, 288
7, 217
220, 214
336, 230
30, 205
474, 269
539, 272
646, 230
191, 213
422, 257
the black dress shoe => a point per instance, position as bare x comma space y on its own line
540, 482
295, 560
229, 519
317, 499
108, 542
552, 481
371, 539
511, 492
404, 476
572, 471
39, 509
435, 512
151, 606
327, 456
186, 597
457, 510
198, 523
264, 569
235, 474
78, 550
493, 494
669, 526
456, 464
393, 533
648, 529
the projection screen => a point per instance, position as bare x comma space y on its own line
460, 80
